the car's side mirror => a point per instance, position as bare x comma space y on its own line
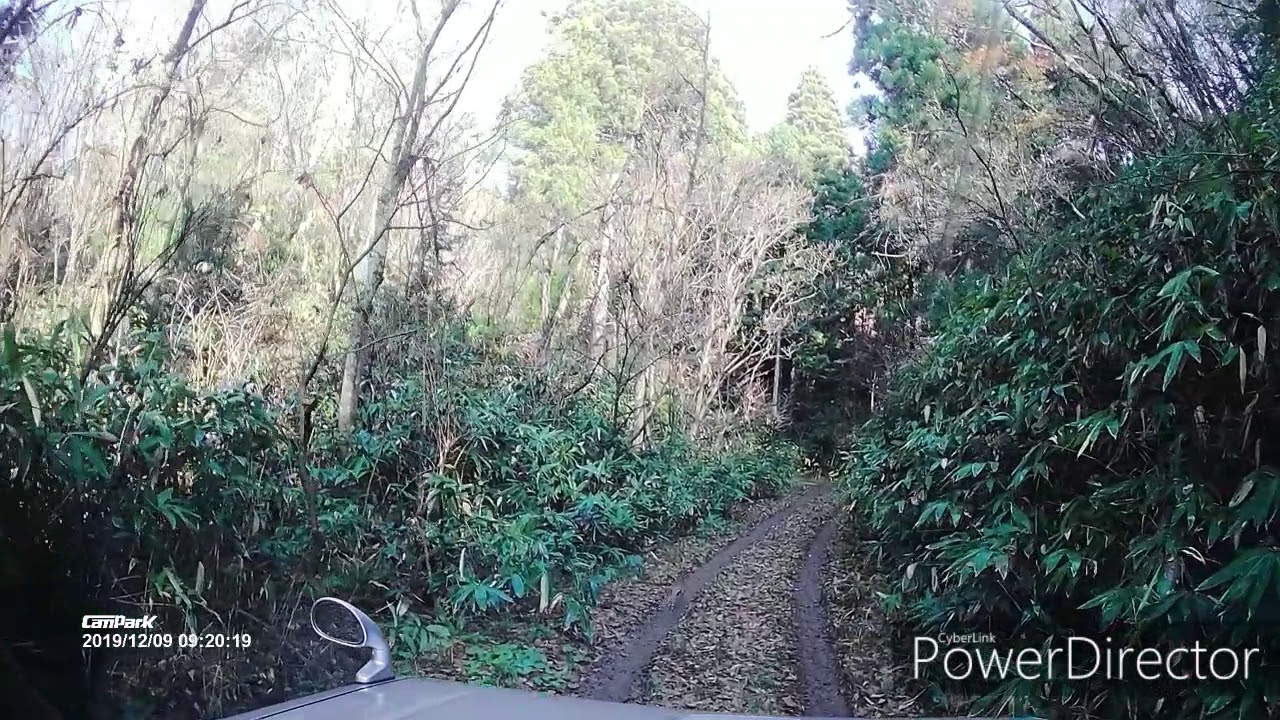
338, 621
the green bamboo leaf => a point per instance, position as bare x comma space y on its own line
1174, 364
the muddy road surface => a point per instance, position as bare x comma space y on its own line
743, 631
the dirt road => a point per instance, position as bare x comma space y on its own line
744, 630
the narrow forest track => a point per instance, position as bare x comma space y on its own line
819, 664
743, 632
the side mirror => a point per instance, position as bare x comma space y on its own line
338, 621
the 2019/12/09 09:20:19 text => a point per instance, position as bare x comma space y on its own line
118, 631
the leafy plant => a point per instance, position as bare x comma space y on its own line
1082, 448
194, 509
503, 664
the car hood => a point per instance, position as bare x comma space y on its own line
418, 699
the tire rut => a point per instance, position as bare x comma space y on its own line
619, 678
736, 650
819, 666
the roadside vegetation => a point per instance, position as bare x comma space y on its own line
1077, 443
280, 320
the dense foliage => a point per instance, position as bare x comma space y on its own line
489, 491
1084, 447
614, 84
853, 326
1050, 285
328, 332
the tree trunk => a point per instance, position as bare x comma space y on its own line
555, 304
353, 364
600, 306
547, 303
777, 379
373, 255
368, 280
120, 254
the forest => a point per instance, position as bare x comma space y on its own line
282, 319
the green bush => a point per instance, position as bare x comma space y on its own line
1086, 446
485, 492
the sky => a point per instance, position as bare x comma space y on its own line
763, 47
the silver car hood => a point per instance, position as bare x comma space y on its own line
419, 699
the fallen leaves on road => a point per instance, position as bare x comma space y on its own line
735, 651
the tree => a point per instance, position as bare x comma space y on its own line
812, 136
625, 76
617, 66
661, 225
119, 268
411, 136
18, 22
1156, 70
961, 132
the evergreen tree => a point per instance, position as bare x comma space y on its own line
812, 135
621, 71
813, 113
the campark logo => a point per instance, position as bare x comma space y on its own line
118, 622
975, 657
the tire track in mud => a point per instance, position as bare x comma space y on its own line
818, 663
618, 679
736, 649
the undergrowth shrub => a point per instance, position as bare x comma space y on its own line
1087, 446
483, 490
